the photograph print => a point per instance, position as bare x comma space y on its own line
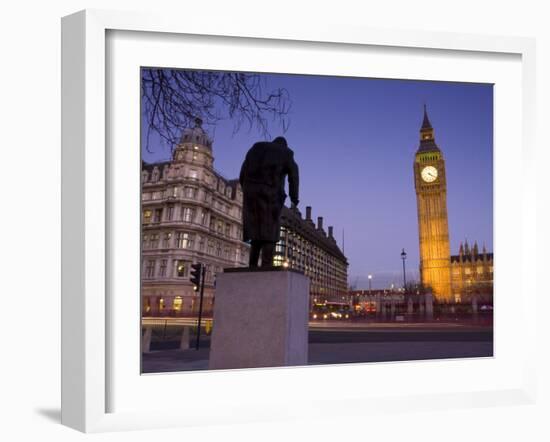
298, 220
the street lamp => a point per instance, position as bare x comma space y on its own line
404, 257
370, 280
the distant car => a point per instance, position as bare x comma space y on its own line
330, 310
319, 315
332, 315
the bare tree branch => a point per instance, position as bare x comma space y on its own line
173, 98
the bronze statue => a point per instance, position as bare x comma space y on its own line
262, 178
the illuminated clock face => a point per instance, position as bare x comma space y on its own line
429, 174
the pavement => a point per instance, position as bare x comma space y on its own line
339, 345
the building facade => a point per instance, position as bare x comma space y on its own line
190, 214
306, 247
451, 278
433, 229
472, 274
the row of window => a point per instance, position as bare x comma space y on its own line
193, 156
327, 273
480, 270
192, 174
189, 192
192, 215
305, 254
180, 269
190, 241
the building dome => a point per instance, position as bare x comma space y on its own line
196, 135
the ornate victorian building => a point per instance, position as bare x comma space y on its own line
190, 214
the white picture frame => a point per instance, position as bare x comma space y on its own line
87, 317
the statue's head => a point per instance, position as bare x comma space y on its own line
281, 141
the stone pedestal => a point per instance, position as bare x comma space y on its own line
260, 319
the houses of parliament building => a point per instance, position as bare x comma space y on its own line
452, 278
192, 214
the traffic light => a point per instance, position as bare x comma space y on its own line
196, 270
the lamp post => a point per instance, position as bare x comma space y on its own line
370, 280
404, 257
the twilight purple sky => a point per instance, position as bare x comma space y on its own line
354, 140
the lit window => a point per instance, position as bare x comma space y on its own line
181, 269
188, 214
147, 216
178, 303
185, 240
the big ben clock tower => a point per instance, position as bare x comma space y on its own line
431, 198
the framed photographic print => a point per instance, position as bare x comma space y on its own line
262, 214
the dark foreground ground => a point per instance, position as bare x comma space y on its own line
338, 345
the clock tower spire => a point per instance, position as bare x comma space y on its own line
433, 228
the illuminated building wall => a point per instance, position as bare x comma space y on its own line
452, 278
306, 247
472, 274
190, 213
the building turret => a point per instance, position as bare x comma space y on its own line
196, 135
427, 138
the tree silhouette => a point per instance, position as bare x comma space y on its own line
173, 98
